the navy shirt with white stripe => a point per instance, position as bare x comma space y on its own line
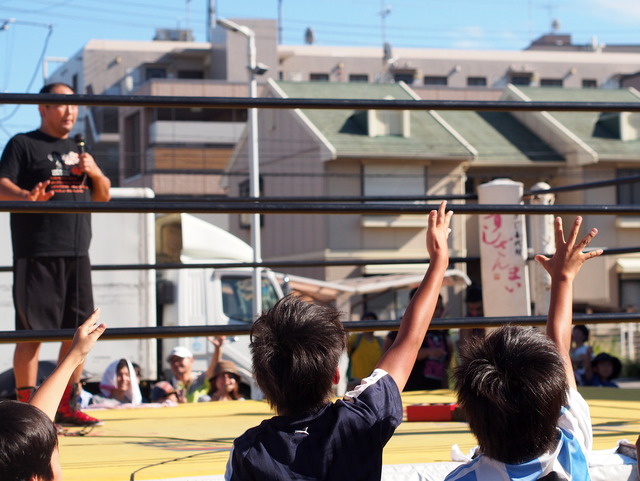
344, 440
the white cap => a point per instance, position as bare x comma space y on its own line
179, 351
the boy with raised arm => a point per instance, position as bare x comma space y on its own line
296, 347
518, 391
28, 438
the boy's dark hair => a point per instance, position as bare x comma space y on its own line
47, 88
27, 441
583, 329
512, 386
296, 347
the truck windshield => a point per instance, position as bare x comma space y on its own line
237, 297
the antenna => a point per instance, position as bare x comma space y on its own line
309, 37
384, 12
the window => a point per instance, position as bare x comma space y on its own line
319, 77
521, 79
434, 80
394, 180
237, 297
155, 72
476, 81
191, 74
551, 82
406, 77
589, 83
628, 194
358, 77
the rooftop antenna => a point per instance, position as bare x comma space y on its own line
186, 14
384, 12
211, 18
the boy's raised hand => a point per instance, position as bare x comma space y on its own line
438, 229
568, 259
87, 334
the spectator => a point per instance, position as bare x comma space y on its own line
119, 385
602, 370
475, 308
164, 392
28, 437
225, 383
191, 386
296, 348
581, 353
517, 390
430, 368
365, 350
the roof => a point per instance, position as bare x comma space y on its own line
585, 124
500, 138
428, 137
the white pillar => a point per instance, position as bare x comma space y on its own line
543, 241
503, 252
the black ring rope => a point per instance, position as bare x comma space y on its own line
314, 103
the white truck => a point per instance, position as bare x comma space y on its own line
146, 298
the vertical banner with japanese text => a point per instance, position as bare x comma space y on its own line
503, 252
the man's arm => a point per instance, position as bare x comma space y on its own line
10, 191
48, 396
100, 183
399, 359
563, 268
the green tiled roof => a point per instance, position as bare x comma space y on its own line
344, 130
500, 138
586, 125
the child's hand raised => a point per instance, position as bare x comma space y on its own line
87, 334
438, 230
568, 259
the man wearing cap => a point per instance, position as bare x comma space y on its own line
190, 386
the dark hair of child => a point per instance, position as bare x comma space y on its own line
27, 441
512, 386
296, 347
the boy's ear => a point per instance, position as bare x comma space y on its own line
336, 376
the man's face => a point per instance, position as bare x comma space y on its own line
58, 120
180, 365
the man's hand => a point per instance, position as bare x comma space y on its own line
568, 259
438, 230
87, 165
39, 192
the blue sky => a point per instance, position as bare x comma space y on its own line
59, 28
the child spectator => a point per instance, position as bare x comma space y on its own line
518, 392
296, 347
28, 437
365, 350
602, 370
164, 392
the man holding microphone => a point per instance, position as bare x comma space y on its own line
51, 270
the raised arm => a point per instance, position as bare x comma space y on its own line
48, 396
563, 268
216, 355
399, 359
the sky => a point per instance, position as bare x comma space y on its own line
38, 32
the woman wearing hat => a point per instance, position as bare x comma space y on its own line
224, 382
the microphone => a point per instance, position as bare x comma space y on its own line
79, 139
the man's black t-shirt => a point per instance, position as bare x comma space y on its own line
35, 157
